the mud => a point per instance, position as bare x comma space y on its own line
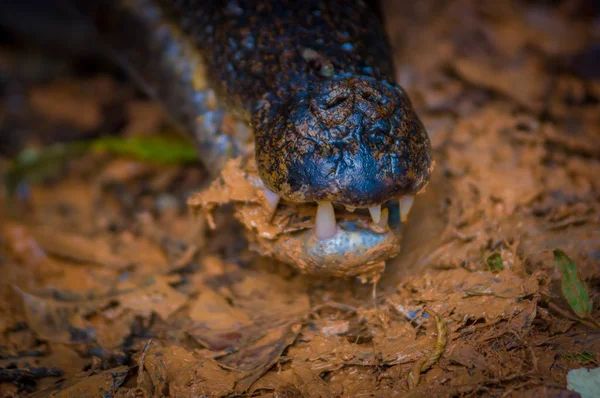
111, 286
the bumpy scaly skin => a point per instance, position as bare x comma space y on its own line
314, 78
352, 140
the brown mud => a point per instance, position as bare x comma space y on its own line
110, 287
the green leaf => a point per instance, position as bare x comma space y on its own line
34, 165
574, 290
161, 149
495, 262
581, 358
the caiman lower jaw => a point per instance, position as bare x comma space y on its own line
352, 252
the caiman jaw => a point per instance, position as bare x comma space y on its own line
317, 237
325, 223
326, 226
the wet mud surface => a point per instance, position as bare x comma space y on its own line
110, 285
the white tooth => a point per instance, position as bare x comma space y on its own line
350, 209
325, 226
384, 218
375, 213
406, 203
272, 198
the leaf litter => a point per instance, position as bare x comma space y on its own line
111, 288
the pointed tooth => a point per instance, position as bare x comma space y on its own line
406, 203
375, 213
272, 198
325, 225
384, 218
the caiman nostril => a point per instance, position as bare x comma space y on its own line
378, 136
380, 128
330, 103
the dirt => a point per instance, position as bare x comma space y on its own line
111, 287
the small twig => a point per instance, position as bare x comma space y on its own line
534, 361
374, 293
141, 362
591, 322
28, 376
186, 257
375, 281
527, 383
512, 377
427, 362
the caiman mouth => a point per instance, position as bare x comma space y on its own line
349, 144
375, 217
318, 238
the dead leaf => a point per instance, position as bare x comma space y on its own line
175, 372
